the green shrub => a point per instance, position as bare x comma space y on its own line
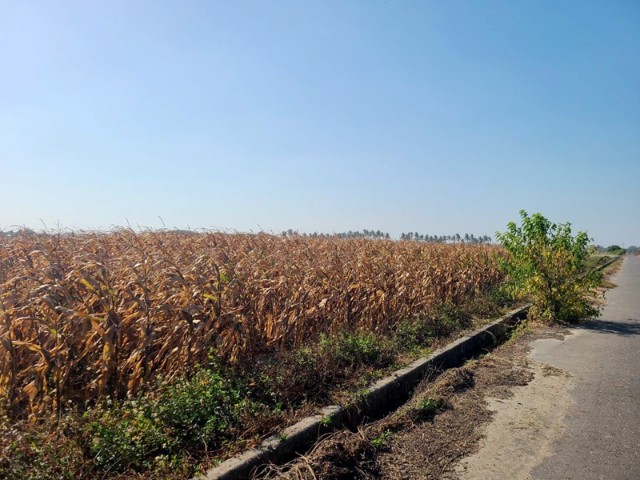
414, 333
546, 265
126, 436
351, 350
197, 411
150, 432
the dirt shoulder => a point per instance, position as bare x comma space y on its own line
525, 427
445, 421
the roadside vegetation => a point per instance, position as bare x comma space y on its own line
602, 255
548, 265
155, 354
130, 354
614, 250
545, 264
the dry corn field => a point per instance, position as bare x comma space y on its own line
92, 314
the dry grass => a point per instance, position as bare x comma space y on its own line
94, 314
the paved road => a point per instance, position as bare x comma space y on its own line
601, 439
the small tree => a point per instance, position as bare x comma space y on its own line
545, 263
615, 249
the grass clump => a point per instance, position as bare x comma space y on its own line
351, 350
414, 333
289, 379
381, 441
420, 331
428, 407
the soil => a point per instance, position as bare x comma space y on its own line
525, 427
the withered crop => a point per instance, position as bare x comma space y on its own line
92, 314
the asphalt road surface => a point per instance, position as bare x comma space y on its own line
602, 435
581, 419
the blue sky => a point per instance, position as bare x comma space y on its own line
435, 116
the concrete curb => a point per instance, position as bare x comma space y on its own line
605, 265
381, 398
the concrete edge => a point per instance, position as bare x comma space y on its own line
382, 397
605, 265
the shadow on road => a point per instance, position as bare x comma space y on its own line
626, 329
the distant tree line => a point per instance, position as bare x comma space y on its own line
411, 236
22, 231
372, 234
617, 249
455, 238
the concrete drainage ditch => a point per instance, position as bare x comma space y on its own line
381, 398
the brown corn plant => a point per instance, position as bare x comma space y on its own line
86, 315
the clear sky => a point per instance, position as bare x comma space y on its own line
435, 116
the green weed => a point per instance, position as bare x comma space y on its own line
382, 440
428, 407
